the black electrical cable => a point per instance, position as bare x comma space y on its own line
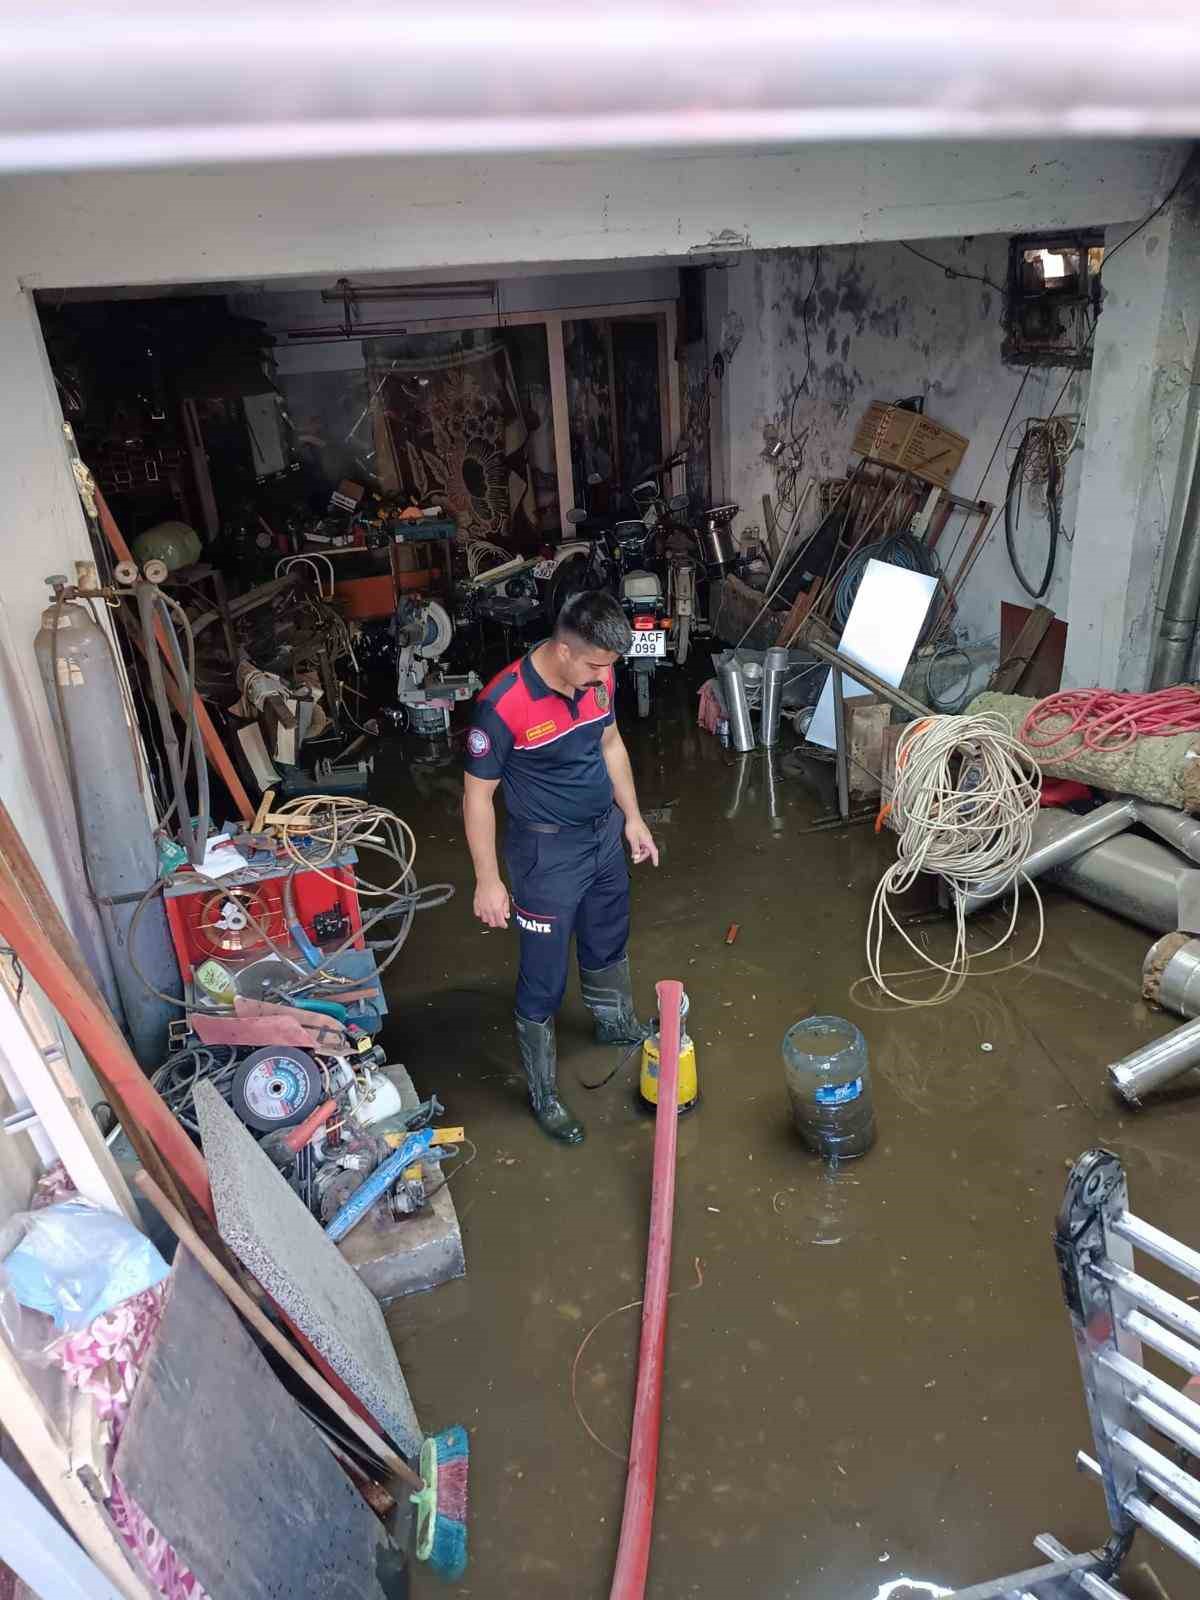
897, 550
939, 702
1016, 479
952, 272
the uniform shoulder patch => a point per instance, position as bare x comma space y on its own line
602, 696
478, 743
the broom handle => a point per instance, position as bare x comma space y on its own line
633, 1552
188, 1237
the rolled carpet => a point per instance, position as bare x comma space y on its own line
1163, 769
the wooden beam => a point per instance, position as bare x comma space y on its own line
36, 1059
560, 412
40, 1440
801, 606
1007, 677
31, 923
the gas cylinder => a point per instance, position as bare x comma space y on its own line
88, 711
689, 1083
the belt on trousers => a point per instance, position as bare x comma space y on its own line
594, 826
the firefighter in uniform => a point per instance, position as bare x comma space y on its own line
544, 730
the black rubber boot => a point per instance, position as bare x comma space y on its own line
539, 1057
608, 995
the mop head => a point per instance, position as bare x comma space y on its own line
442, 1503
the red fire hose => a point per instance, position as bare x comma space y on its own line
633, 1553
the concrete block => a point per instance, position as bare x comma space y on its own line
271, 1232
415, 1253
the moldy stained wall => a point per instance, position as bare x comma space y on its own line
811, 337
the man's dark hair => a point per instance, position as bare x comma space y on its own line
596, 618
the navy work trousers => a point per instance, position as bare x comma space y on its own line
574, 881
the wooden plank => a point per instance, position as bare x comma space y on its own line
560, 413
769, 527
1041, 671
50, 951
1015, 661
35, 1057
801, 606
41, 1551
29, 1423
227, 1467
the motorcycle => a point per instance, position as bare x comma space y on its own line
613, 555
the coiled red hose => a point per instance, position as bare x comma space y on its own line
1106, 720
633, 1552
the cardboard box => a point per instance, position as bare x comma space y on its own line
912, 441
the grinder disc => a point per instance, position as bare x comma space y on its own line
276, 1087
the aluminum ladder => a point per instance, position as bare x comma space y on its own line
1136, 1418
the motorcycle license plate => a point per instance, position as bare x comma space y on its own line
543, 569
650, 642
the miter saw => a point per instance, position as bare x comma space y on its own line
425, 694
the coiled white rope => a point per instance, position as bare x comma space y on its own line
965, 801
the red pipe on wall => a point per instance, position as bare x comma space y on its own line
633, 1552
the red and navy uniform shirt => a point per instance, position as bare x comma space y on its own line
543, 746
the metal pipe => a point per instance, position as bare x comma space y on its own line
1174, 1483
1177, 630
840, 753
1178, 828
868, 679
1171, 974
1089, 1582
737, 707
1178, 1432
1156, 1063
1150, 1518
1167, 1307
1137, 879
1168, 1344
1181, 1258
775, 666
1059, 836
1134, 1377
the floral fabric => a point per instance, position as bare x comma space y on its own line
103, 1360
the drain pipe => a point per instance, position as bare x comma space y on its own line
1156, 1064
1177, 630
1171, 979
1061, 837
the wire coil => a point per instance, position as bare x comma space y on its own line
967, 793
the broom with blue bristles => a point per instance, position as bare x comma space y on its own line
441, 1485
441, 1503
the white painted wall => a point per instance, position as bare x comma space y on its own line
883, 325
1146, 344
41, 532
212, 223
